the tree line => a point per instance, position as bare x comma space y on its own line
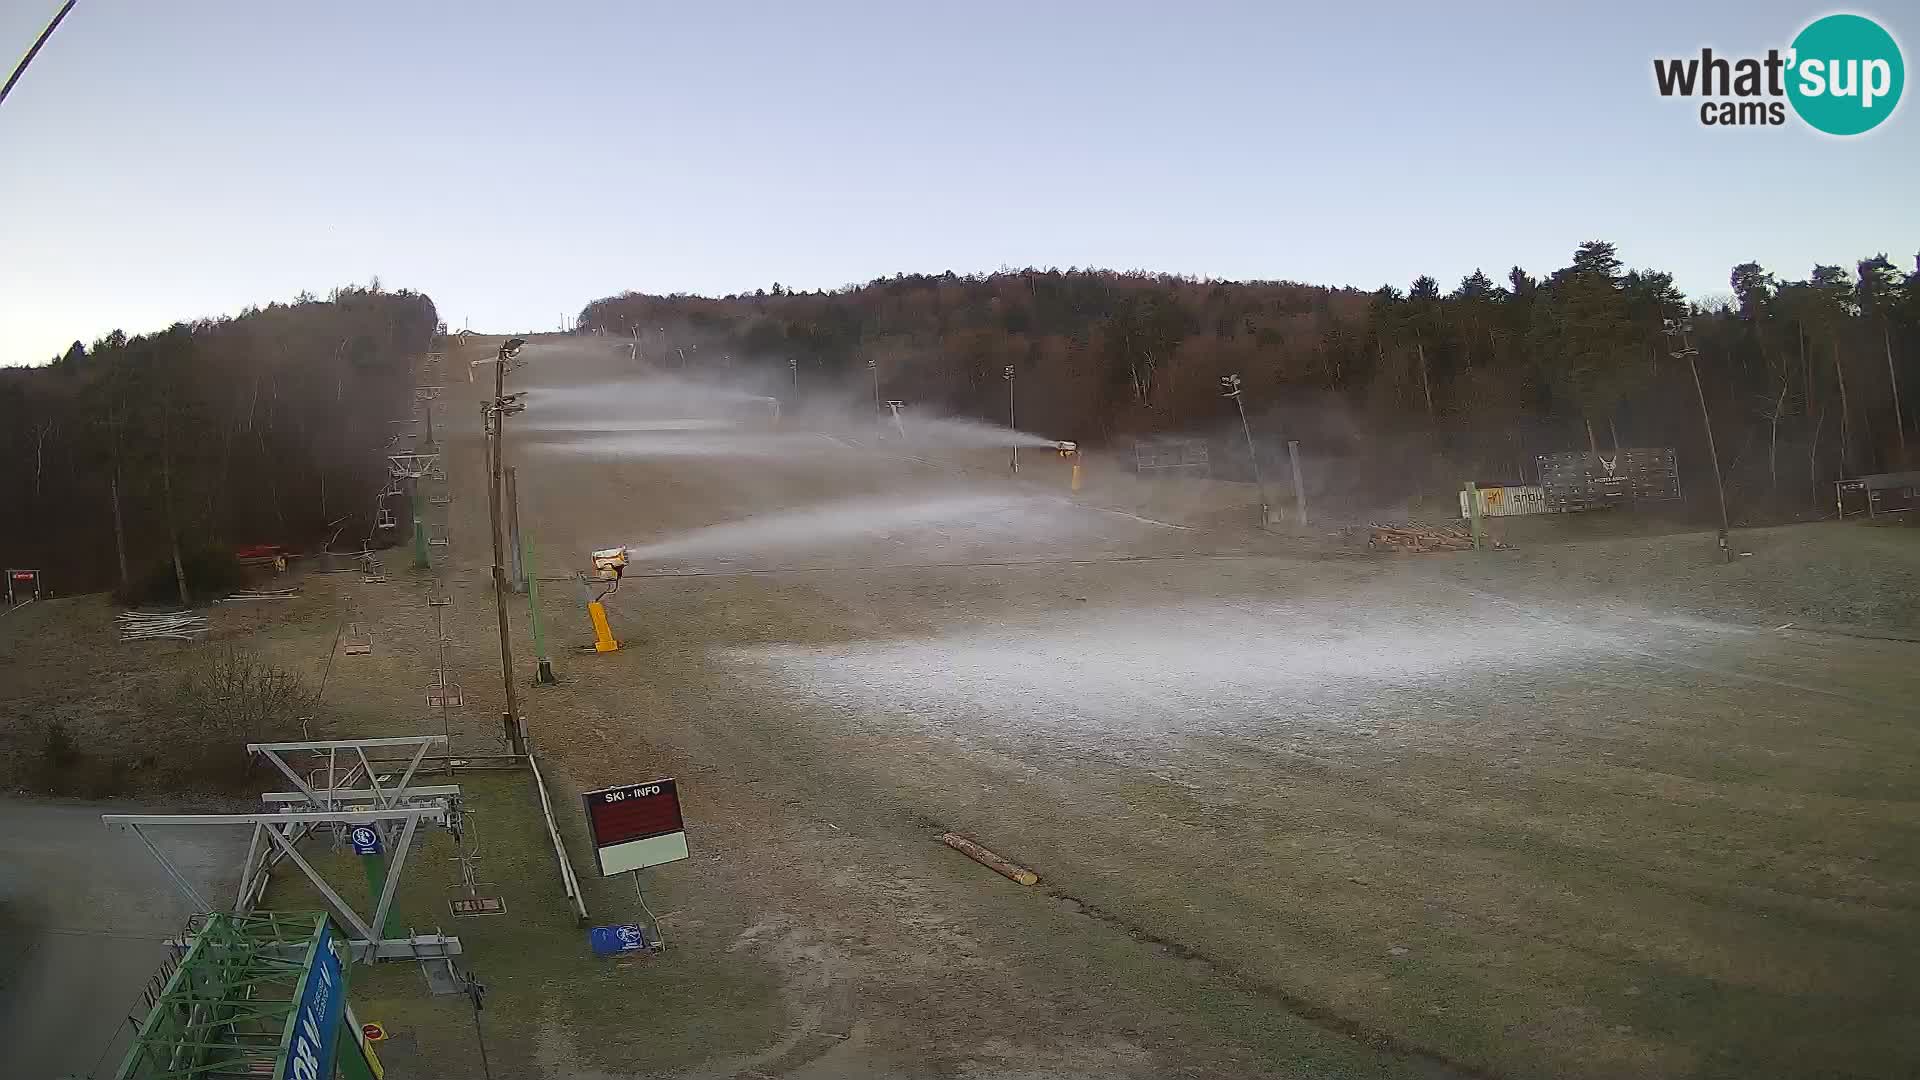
126, 462
1803, 378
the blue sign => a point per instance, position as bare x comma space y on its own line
317, 1019
613, 940
366, 840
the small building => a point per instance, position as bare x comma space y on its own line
1880, 493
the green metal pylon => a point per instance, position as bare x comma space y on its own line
543, 674
420, 561
375, 866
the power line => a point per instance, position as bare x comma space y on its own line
35, 51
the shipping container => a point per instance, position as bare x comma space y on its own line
1507, 500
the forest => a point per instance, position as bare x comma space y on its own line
1408, 388
126, 462
270, 427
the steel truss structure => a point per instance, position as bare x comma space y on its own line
228, 1007
412, 466
326, 800
283, 831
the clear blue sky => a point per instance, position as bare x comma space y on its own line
514, 160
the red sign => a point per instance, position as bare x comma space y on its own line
636, 826
634, 812
24, 575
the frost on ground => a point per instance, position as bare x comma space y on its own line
1219, 668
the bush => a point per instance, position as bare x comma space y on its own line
64, 769
235, 695
211, 573
57, 748
217, 706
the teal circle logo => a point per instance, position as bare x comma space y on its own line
1846, 76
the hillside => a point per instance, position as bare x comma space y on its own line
1800, 376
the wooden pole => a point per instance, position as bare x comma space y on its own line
1299, 486
493, 414
1008, 870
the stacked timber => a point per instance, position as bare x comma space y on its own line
1419, 538
149, 625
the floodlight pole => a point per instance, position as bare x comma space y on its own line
1230, 387
1008, 372
494, 414
1678, 332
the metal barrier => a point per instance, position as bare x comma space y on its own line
568, 879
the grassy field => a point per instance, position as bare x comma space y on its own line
547, 994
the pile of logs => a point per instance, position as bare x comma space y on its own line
1419, 538
149, 625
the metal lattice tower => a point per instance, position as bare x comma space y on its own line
228, 1008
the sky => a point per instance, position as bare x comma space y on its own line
168, 161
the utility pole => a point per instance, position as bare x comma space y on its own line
1230, 387
1008, 373
494, 413
873, 367
1677, 332
793, 365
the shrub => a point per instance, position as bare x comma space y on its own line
224, 701
57, 748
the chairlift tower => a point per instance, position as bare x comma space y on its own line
326, 801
